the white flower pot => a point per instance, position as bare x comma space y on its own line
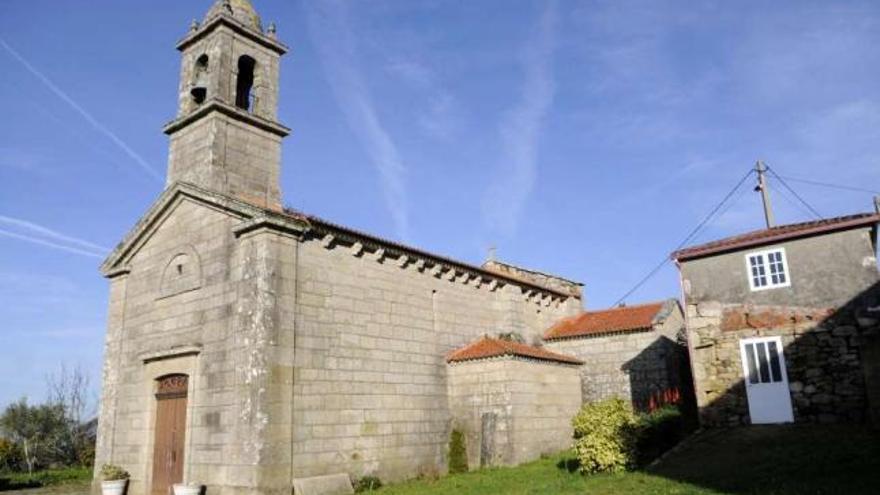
114, 487
183, 489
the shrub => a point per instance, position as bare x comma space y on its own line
605, 435
11, 457
458, 462
367, 484
109, 472
659, 431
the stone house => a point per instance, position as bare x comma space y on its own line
253, 348
782, 322
633, 352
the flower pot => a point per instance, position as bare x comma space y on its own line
184, 489
113, 487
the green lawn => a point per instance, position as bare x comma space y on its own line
787, 460
64, 479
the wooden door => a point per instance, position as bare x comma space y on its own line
170, 433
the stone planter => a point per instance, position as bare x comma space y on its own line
184, 489
113, 487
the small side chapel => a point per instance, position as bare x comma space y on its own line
254, 349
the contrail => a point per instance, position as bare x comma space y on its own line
53, 234
83, 112
49, 244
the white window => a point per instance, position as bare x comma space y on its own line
767, 269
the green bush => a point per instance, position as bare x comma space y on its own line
367, 484
659, 431
605, 435
11, 456
109, 472
458, 462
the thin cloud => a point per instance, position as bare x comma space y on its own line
43, 242
52, 234
138, 159
520, 130
331, 32
439, 117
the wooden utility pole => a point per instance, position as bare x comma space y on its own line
765, 193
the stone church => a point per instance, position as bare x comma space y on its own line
253, 349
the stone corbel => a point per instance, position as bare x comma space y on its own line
357, 248
327, 241
269, 224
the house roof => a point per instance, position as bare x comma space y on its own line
488, 347
623, 319
777, 234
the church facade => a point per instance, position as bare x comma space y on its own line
250, 347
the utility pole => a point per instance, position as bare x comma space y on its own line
877, 204
765, 193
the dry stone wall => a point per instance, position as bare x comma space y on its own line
822, 348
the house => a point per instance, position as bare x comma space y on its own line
781, 322
634, 352
254, 348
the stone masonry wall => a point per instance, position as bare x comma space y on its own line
372, 334
228, 331
513, 410
821, 349
633, 366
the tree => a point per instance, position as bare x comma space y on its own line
38, 429
69, 389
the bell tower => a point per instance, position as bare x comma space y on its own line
226, 137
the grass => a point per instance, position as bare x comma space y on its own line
45, 478
773, 460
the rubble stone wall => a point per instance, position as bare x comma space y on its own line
822, 350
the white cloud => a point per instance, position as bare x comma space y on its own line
44, 236
520, 130
138, 159
440, 115
331, 32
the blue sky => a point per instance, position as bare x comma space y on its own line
580, 138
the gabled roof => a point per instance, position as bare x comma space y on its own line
623, 319
488, 347
292, 220
777, 234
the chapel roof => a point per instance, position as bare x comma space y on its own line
488, 347
777, 234
321, 224
614, 320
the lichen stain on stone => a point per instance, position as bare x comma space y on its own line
256, 307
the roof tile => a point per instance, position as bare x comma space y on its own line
627, 318
488, 347
776, 234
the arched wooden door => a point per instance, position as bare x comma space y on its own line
170, 433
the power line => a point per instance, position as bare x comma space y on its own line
832, 186
687, 239
779, 192
795, 194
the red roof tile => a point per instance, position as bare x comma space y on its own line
488, 347
623, 319
777, 234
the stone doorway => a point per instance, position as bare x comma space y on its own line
168, 448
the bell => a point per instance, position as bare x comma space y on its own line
199, 90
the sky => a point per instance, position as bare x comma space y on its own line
580, 138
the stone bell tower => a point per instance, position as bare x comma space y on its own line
226, 137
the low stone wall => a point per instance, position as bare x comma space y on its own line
822, 349
512, 410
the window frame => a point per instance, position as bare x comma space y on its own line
765, 259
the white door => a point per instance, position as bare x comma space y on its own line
766, 380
